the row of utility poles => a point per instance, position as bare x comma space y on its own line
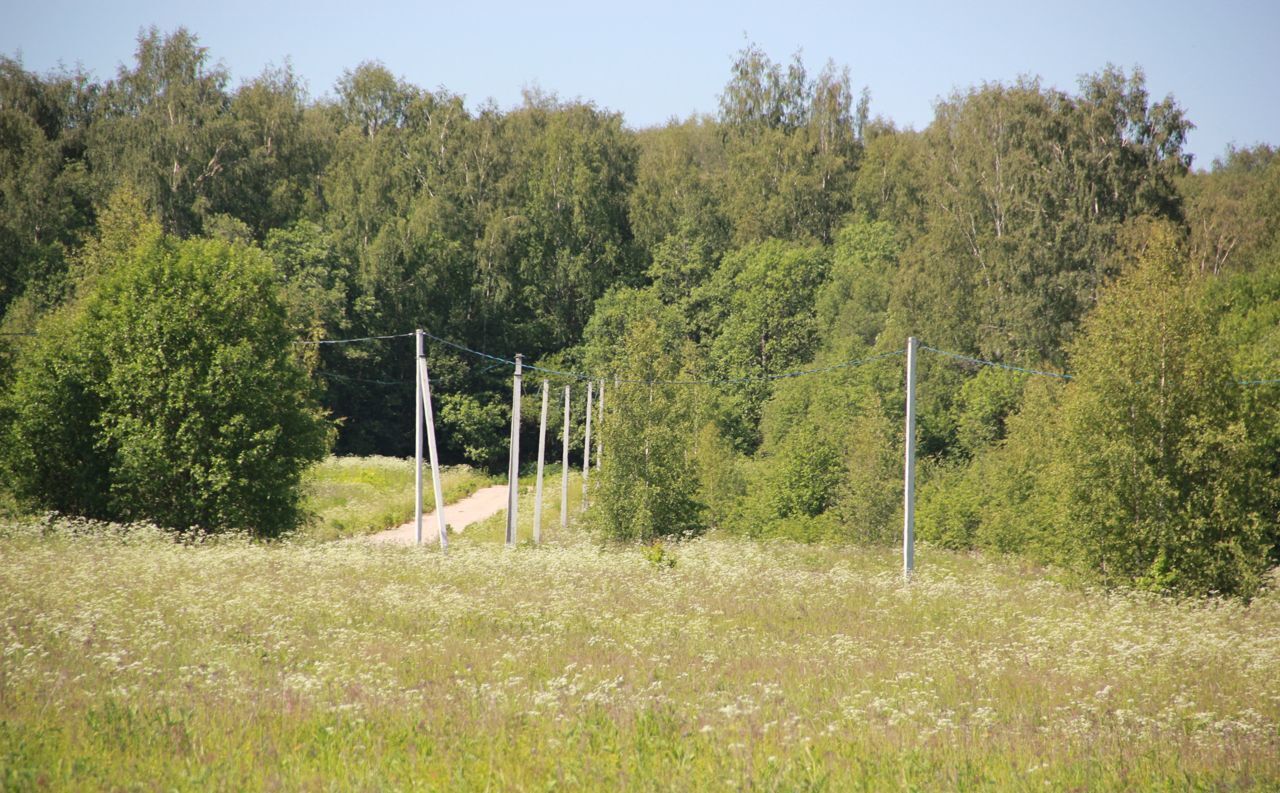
423, 411
425, 419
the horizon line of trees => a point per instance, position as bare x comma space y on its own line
1026, 225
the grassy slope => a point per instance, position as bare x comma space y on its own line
234, 665
350, 496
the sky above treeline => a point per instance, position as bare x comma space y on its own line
664, 59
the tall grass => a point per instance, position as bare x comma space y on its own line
350, 496
130, 661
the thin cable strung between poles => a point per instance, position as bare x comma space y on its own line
720, 380
470, 351
758, 378
345, 378
970, 359
1010, 367
709, 381
353, 341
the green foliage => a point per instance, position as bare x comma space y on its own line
1233, 212
659, 555
314, 284
890, 184
792, 145
1027, 189
1162, 471
852, 304
677, 185
164, 127
44, 188
983, 405
647, 484
721, 481
499, 231
789, 230
1006, 497
869, 500
761, 306
1152, 468
807, 477
50, 456
830, 465
279, 149
1245, 309
170, 393
477, 427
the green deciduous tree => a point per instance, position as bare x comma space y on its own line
164, 127
828, 464
1233, 211
791, 148
1006, 497
1153, 467
1027, 189
760, 307
275, 157
44, 187
169, 393
1164, 484
678, 173
648, 482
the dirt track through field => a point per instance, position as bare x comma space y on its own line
472, 509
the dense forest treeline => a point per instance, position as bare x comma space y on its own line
1026, 225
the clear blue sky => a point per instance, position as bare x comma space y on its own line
661, 59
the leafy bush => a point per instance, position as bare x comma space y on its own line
477, 427
721, 484
659, 555
169, 393
648, 481
1152, 468
1006, 497
1164, 481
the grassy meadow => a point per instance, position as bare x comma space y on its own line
351, 496
133, 662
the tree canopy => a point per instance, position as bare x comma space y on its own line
1053, 228
169, 392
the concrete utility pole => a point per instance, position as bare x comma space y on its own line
513, 465
600, 428
564, 467
909, 479
586, 450
441, 527
542, 450
422, 405
417, 440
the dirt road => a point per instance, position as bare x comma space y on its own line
472, 509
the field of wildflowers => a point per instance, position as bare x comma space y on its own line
131, 661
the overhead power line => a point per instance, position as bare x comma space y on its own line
1010, 367
353, 341
585, 376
